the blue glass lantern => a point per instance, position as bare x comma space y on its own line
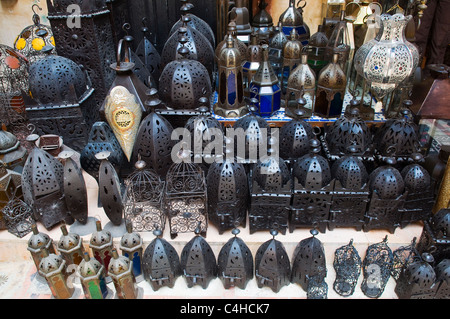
292, 18
265, 87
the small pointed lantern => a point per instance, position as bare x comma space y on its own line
272, 266
292, 52
276, 45
101, 243
37, 243
292, 18
235, 263
131, 246
316, 50
251, 64
148, 54
70, 245
262, 23
92, 277
347, 264
198, 262
120, 269
161, 263
238, 44
53, 268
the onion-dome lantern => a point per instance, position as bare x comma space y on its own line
37, 243
272, 265
92, 277
443, 279
161, 263
198, 262
294, 137
347, 264
262, 23
416, 177
316, 50
53, 268
350, 171
183, 80
120, 269
101, 243
292, 18
238, 44
70, 246
292, 52
386, 181
301, 84
131, 245
235, 263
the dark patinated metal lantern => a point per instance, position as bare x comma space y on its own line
351, 192
403, 257
198, 262
295, 136
443, 279
185, 196
10, 190
316, 50
276, 45
235, 263
309, 266
238, 44
120, 269
242, 19
312, 190
92, 277
37, 242
339, 43
301, 84
131, 245
292, 18
18, 217
376, 269
262, 23
252, 63
12, 154
70, 246
54, 269
347, 264
148, 54
161, 263
43, 187
292, 52
143, 199
272, 265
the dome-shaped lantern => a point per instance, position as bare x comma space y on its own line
12, 154
43, 187
272, 265
235, 263
238, 44
92, 277
347, 264
198, 262
161, 263
292, 53
120, 269
309, 267
183, 80
262, 23
70, 246
131, 245
443, 279
295, 136
316, 50
54, 269
101, 243
292, 18
37, 242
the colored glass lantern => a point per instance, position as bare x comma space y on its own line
251, 65
292, 18
92, 277
70, 246
265, 87
101, 243
37, 243
120, 269
316, 50
301, 83
131, 246
262, 23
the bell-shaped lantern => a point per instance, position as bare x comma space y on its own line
292, 18
238, 44
262, 23
292, 52
316, 50
295, 136
252, 63
276, 45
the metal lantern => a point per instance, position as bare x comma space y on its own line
238, 44
443, 277
43, 187
316, 50
403, 257
12, 154
131, 245
161, 263
184, 80
228, 194
387, 197
276, 45
75, 192
10, 188
101, 138
120, 270
53, 268
331, 84
312, 190
60, 99
242, 19
143, 199
376, 269
308, 264
294, 138
252, 63
148, 54
109, 189
292, 52
235, 263
70, 246
230, 100
34, 38
185, 196
340, 43
292, 18
262, 23
18, 217
92, 277
270, 191
347, 264
198, 262
37, 243
272, 265
101, 243
351, 192
265, 87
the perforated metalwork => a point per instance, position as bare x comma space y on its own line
271, 174
403, 257
347, 264
387, 182
443, 276
18, 217
351, 172
295, 136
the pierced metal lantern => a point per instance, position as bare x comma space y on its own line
184, 81
92, 277
347, 264
109, 189
235, 263
37, 243
265, 87
316, 50
101, 138
270, 191
131, 245
185, 197
34, 38
262, 23
43, 187
339, 43
404, 256
276, 45
230, 100
10, 189
376, 269
148, 54
143, 199
53, 268
301, 84
443, 278
238, 44
242, 19
228, 194
75, 192
292, 18
101, 243
70, 246
60, 99
120, 270
253, 61
387, 197
331, 84
198, 262
292, 52
12, 154
312, 190
161, 263
308, 263
295, 136
272, 265
18, 217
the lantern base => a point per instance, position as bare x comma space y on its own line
239, 112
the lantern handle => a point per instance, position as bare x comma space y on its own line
36, 19
119, 52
